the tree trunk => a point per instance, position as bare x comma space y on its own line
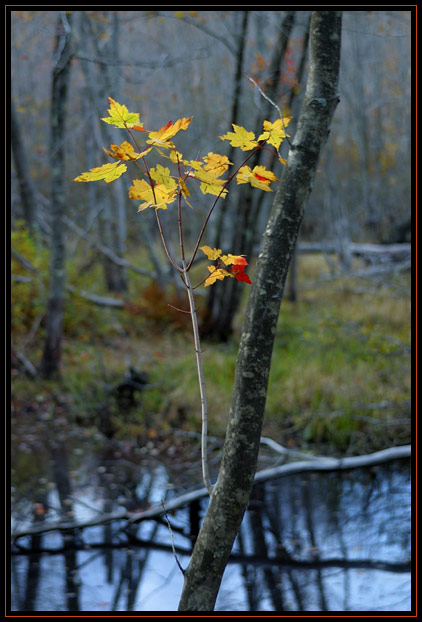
103, 34
61, 68
27, 189
224, 298
231, 492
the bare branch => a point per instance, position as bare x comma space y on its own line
172, 539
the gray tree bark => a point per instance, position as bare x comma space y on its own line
27, 190
61, 69
232, 490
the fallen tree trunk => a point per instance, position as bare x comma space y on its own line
314, 464
396, 252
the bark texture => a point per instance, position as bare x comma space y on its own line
232, 490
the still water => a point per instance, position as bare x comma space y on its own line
309, 542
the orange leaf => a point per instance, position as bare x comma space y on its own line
161, 138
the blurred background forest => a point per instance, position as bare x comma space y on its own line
341, 366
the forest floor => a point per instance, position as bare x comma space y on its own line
340, 379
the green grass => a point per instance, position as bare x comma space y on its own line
339, 381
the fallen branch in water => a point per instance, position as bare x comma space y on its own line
322, 464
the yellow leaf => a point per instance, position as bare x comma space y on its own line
195, 164
275, 132
162, 137
158, 197
175, 156
108, 172
216, 164
125, 152
211, 253
243, 174
264, 174
209, 184
120, 116
240, 138
230, 259
161, 175
260, 177
216, 274
183, 187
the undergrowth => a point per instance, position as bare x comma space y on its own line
340, 375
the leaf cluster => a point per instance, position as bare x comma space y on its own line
159, 186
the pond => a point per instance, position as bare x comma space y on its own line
333, 541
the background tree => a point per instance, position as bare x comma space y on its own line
241, 220
231, 493
99, 35
60, 80
27, 189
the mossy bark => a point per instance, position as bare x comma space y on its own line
231, 492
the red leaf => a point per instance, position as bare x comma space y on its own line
239, 272
241, 276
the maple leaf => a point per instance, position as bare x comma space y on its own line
208, 178
275, 132
211, 253
259, 177
161, 138
216, 164
108, 172
240, 275
238, 269
217, 274
125, 152
241, 138
158, 197
121, 117
237, 262
209, 184
161, 175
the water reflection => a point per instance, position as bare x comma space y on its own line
309, 542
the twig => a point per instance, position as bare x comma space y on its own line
27, 365
172, 539
287, 452
270, 101
198, 353
177, 309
